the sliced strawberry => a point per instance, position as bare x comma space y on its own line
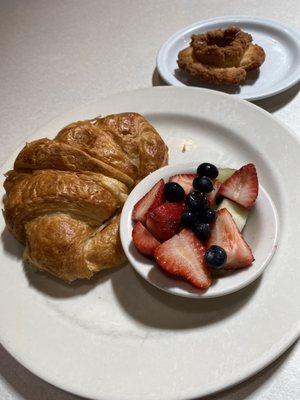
183, 255
242, 186
151, 200
211, 197
184, 180
143, 240
225, 233
164, 221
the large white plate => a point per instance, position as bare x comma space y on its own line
280, 71
118, 337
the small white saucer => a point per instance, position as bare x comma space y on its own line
261, 233
280, 71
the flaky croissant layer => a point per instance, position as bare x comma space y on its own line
64, 196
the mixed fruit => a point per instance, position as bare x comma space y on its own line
192, 224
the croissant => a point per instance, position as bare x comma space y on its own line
64, 196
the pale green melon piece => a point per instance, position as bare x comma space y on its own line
225, 173
239, 213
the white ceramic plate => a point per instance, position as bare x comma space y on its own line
280, 71
261, 223
117, 337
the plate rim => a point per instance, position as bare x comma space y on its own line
263, 363
170, 80
287, 340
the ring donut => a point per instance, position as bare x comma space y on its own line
221, 56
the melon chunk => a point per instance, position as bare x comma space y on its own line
225, 173
239, 213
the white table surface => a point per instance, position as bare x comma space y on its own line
57, 55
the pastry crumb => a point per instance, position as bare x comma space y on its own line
183, 148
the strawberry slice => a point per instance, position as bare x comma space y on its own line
164, 221
183, 255
143, 240
151, 200
242, 186
184, 180
226, 234
211, 197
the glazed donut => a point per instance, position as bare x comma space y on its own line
221, 56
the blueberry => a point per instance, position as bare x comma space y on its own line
196, 201
188, 219
173, 192
208, 215
203, 184
207, 169
202, 231
215, 256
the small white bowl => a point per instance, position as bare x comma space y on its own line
260, 232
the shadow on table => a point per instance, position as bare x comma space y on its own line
280, 100
270, 104
28, 386
245, 389
156, 79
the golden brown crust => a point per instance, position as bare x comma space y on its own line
138, 139
93, 198
98, 144
69, 249
54, 243
62, 191
221, 48
221, 56
253, 57
206, 73
52, 154
104, 250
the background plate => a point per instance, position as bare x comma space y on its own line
280, 71
117, 337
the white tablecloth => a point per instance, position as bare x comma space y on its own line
57, 55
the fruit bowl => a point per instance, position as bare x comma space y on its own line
260, 232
